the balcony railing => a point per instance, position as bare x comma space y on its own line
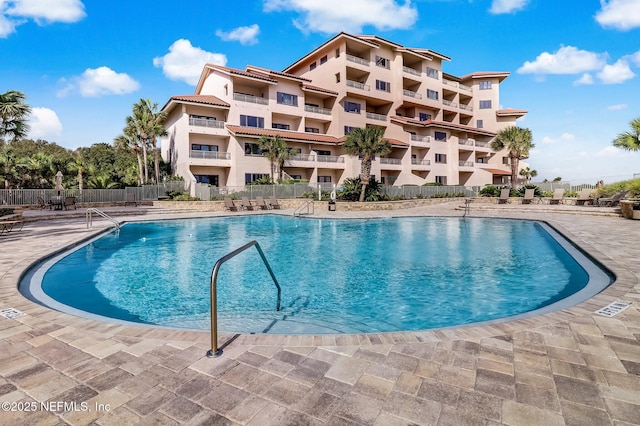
358, 85
411, 94
465, 107
374, 116
357, 60
465, 142
330, 159
449, 103
463, 87
303, 157
210, 155
390, 160
482, 144
465, 163
317, 110
206, 122
449, 83
417, 162
418, 138
250, 98
411, 71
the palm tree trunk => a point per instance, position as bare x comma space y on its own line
139, 157
365, 175
514, 171
156, 160
146, 162
80, 181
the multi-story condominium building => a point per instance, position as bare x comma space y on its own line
440, 126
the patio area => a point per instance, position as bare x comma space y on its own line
572, 367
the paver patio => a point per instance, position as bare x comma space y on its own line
572, 367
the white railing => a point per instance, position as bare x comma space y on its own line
317, 110
358, 85
374, 116
482, 144
417, 162
449, 83
390, 160
449, 103
463, 87
250, 98
465, 107
465, 142
411, 71
330, 159
418, 138
206, 122
465, 163
411, 94
303, 157
357, 60
209, 155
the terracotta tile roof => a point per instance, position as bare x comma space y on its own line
396, 142
201, 99
484, 74
444, 124
318, 89
285, 134
242, 73
509, 111
250, 68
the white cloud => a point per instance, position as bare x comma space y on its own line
185, 62
584, 80
617, 107
616, 73
565, 137
619, 14
100, 81
17, 12
567, 60
44, 123
332, 16
245, 35
507, 6
634, 58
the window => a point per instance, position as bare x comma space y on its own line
383, 62
252, 149
280, 126
440, 136
479, 124
480, 160
312, 130
207, 179
432, 94
322, 152
423, 116
441, 158
297, 177
287, 99
352, 107
485, 104
505, 160
442, 180
337, 52
324, 179
198, 147
338, 78
383, 85
323, 59
312, 66
250, 177
485, 85
348, 129
250, 121
432, 72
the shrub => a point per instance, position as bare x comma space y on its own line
631, 185
351, 187
265, 180
182, 196
6, 212
537, 192
490, 191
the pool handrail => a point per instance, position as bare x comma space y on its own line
216, 351
308, 205
101, 213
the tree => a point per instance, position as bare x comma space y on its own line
366, 143
13, 115
148, 124
629, 141
128, 141
276, 150
527, 174
517, 141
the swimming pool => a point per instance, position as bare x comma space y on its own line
337, 276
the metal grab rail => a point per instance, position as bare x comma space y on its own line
216, 351
101, 213
298, 210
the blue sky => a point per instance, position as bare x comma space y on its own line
575, 65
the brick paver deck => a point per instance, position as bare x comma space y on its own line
566, 368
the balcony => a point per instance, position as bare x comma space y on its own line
396, 161
418, 138
209, 155
303, 157
465, 163
358, 85
449, 83
411, 94
481, 144
416, 162
206, 122
357, 60
468, 142
465, 107
374, 116
465, 88
330, 159
250, 98
317, 110
411, 71
450, 103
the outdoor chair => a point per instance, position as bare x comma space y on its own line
557, 196
584, 197
229, 205
246, 204
529, 196
8, 225
274, 202
41, 203
260, 202
504, 196
68, 202
613, 201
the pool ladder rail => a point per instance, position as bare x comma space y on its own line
215, 350
308, 205
92, 210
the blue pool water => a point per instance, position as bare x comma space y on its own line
337, 276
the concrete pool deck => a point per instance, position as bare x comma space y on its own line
568, 367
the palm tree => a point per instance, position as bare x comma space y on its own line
128, 140
78, 165
629, 141
517, 141
148, 123
276, 150
13, 115
366, 143
527, 174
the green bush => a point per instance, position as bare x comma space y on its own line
537, 192
432, 184
351, 187
6, 212
490, 191
181, 196
631, 185
265, 180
